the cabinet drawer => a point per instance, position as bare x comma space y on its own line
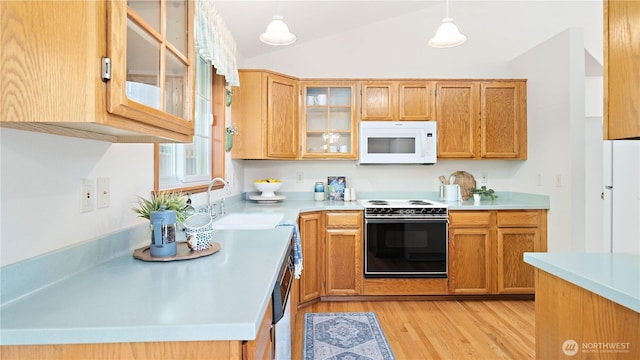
341, 219
518, 218
470, 218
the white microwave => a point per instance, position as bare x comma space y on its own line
398, 142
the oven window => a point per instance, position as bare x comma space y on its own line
394, 145
406, 249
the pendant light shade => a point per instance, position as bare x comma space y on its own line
448, 35
277, 33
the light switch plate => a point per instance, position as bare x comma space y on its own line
104, 192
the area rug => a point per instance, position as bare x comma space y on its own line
342, 336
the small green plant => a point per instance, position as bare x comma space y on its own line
484, 192
169, 199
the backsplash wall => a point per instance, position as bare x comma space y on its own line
371, 178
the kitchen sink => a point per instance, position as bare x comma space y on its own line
247, 221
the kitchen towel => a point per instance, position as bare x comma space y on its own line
297, 249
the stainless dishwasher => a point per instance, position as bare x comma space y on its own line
281, 298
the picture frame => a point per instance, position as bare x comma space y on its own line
336, 186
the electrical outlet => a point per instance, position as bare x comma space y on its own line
104, 192
484, 178
87, 190
539, 179
299, 177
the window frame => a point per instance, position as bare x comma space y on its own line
218, 133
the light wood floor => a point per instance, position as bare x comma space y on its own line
444, 329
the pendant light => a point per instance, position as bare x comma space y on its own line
448, 35
277, 33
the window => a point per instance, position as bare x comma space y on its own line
189, 167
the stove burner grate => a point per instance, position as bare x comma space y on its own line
419, 202
378, 202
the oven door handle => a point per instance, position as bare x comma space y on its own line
405, 220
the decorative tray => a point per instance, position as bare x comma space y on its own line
183, 253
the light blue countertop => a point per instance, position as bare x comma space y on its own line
613, 276
504, 201
222, 296
75, 296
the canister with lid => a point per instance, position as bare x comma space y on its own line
163, 233
318, 191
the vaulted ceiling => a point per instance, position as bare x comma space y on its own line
507, 28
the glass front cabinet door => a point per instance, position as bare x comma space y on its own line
151, 48
329, 120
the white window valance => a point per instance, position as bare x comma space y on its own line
214, 41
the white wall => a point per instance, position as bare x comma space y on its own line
546, 66
40, 190
497, 30
594, 204
368, 178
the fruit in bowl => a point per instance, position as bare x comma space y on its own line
268, 186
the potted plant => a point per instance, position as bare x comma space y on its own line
170, 200
483, 192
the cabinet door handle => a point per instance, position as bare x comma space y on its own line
272, 334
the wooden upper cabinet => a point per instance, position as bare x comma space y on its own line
416, 100
398, 100
282, 117
379, 100
457, 114
503, 120
621, 71
265, 111
52, 73
482, 119
328, 120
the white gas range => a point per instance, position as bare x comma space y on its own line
405, 238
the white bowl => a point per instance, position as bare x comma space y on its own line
268, 189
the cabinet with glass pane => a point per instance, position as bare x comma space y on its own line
329, 120
62, 84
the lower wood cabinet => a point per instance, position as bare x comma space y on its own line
311, 284
332, 254
600, 328
263, 347
486, 250
471, 249
485, 255
343, 253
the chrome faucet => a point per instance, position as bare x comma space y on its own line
226, 188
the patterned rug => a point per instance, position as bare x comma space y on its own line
344, 336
